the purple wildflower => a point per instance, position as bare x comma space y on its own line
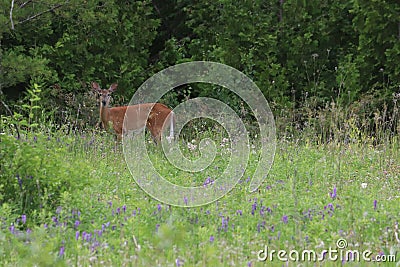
333, 193
260, 225
178, 262
253, 207
212, 238
324, 254
224, 223
159, 207
375, 204
12, 229
309, 214
208, 181
23, 218
77, 235
330, 207
88, 236
19, 181
58, 210
185, 200
351, 255
239, 212
124, 208
28, 231
285, 219
62, 250
262, 210
77, 223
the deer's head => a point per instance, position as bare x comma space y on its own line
104, 94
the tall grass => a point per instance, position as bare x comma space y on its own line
335, 175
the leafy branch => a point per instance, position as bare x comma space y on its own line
51, 9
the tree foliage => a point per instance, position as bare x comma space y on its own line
73, 42
326, 50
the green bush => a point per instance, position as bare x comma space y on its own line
36, 171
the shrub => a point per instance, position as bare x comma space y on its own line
36, 171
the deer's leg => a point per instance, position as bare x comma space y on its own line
155, 134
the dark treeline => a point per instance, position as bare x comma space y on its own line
304, 55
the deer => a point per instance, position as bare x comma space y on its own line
153, 116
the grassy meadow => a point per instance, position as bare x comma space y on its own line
330, 71
69, 200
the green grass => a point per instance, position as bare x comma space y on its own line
102, 218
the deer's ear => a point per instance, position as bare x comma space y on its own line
113, 87
96, 87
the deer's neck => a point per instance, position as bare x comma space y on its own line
104, 115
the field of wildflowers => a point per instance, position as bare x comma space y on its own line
71, 201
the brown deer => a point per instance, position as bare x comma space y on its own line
151, 115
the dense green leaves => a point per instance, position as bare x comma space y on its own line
35, 176
377, 24
293, 50
77, 42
